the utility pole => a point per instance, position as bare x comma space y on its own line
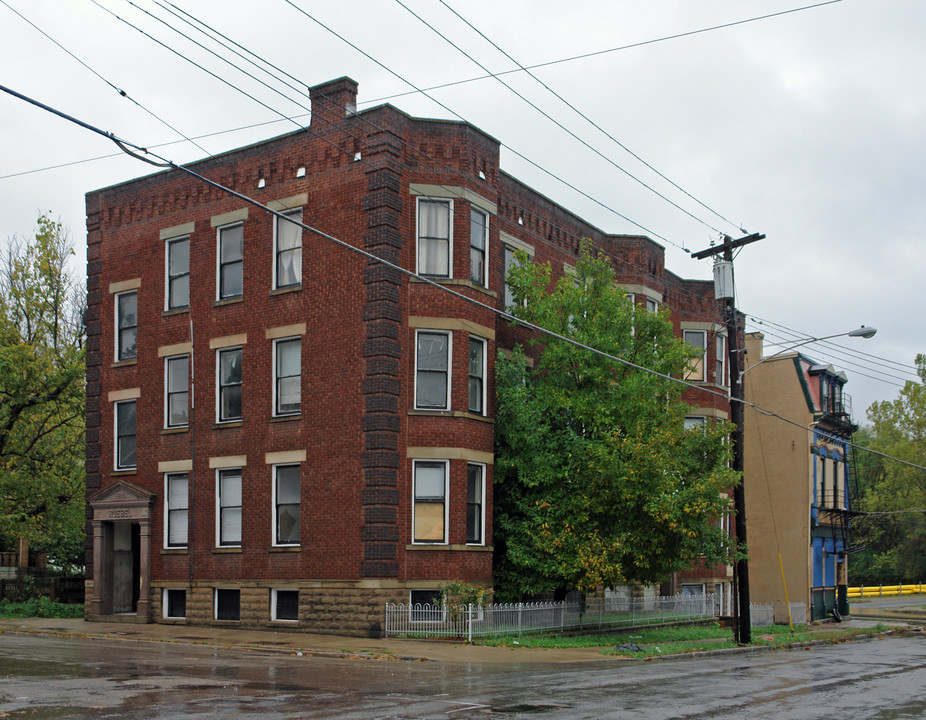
742, 629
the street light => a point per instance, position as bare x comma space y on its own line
862, 332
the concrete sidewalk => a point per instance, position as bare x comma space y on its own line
294, 643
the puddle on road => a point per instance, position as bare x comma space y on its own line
530, 707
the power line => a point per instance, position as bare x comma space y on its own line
905, 367
884, 370
121, 92
556, 122
460, 117
205, 70
588, 119
596, 53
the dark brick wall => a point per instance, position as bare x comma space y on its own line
358, 349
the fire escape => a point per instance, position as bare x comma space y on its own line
836, 502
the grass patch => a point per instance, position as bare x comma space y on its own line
40, 607
641, 636
674, 640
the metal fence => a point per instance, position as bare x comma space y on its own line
60, 588
469, 621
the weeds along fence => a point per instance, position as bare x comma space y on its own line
471, 621
60, 588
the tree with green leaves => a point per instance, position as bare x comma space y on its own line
597, 481
42, 395
892, 528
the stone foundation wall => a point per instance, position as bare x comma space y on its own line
352, 609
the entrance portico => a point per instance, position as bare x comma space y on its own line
121, 553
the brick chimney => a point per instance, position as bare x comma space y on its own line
332, 101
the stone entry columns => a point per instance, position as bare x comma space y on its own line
127, 504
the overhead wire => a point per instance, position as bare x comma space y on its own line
119, 90
864, 364
138, 151
460, 117
556, 122
597, 53
900, 366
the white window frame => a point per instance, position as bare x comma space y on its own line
215, 601
276, 509
484, 280
469, 376
169, 511
508, 259
168, 393
446, 471
168, 278
693, 422
418, 266
720, 360
691, 373
652, 305
165, 604
219, 386
297, 340
119, 297
117, 465
297, 251
220, 508
273, 605
448, 371
220, 265
482, 504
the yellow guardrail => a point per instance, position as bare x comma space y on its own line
864, 591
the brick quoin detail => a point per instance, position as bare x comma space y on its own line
382, 353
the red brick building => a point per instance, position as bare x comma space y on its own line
284, 433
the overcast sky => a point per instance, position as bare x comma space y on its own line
807, 126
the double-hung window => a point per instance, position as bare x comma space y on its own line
477, 364
229, 384
510, 260
228, 502
178, 273
429, 513
126, 325
231, 261
286, 504
125, 435
478, 246
177, 391
287, 376
434, 237
176, 511
432, 370
287, 268
475, 501
698, 340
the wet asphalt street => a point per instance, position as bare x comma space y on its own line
47, 677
